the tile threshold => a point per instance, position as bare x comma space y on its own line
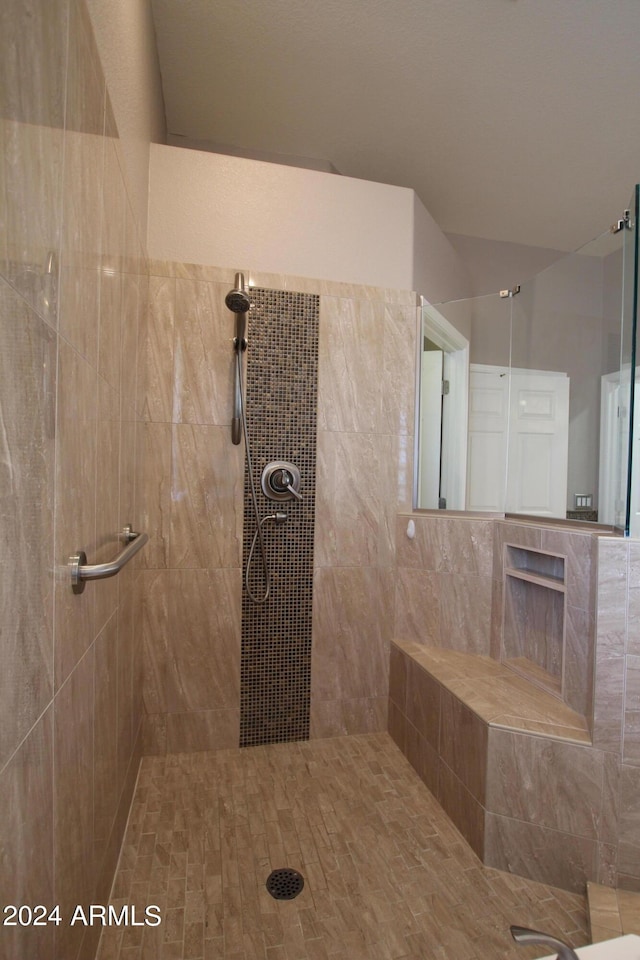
611, 913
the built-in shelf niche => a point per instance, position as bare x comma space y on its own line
533, 628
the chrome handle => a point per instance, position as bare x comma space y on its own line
81, 571
294, 493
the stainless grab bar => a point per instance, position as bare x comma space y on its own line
81, 571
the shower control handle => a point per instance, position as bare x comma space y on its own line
281, 481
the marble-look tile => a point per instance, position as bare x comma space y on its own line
75, 512
204, 357
611, 597
124, 685
26, 839
397, 726
402, 454
156, 361
333, 288
579, 642
203, 669
497, 615
160, 268
31, 208
73, 801
27, 456
604, 912
82, 189
349, 471
32, 111
633, 625
519, 534
608, 703
465, 613
129, 427
206, 498
547, 856
111, 256
463, 745
156, 586
417, 607
629, 821
203, 730
447, 545
351, 626
629, 906
154, 478
579, 550
105, 770
425, 550
340, 718
465, 811
137, 661
607, 864
398, 668
143, 340
131, 300
631, 741
423, 758
552, 784
350, 362
610, 819
154, 734
423, 704
533, 631
107, 542
201, 271
397, 386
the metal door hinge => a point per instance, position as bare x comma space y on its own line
510, 293
444, 389
624, 224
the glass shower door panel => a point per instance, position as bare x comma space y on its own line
626, 505
630, 429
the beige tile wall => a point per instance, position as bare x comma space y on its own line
72, 310
194, 504
552, 811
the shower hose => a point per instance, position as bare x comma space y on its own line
258, 535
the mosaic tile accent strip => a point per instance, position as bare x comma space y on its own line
281, 401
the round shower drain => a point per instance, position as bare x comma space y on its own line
285, 884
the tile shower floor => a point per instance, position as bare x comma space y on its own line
386, 874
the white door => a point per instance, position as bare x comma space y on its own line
488, 436
518, 441
538, 444
430, 428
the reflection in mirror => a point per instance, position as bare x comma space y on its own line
538, 421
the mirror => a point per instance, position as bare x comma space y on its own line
525, 398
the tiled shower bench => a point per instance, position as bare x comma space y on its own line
511, 764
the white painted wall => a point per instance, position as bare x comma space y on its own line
438, 272
494, 265
248, 214
126, 41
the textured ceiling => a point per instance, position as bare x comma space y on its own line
515, 120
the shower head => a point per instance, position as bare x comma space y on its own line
237, 300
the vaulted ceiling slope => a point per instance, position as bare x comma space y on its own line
515, 120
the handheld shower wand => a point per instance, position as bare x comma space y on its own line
239, 303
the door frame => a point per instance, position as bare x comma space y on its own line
432, 324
